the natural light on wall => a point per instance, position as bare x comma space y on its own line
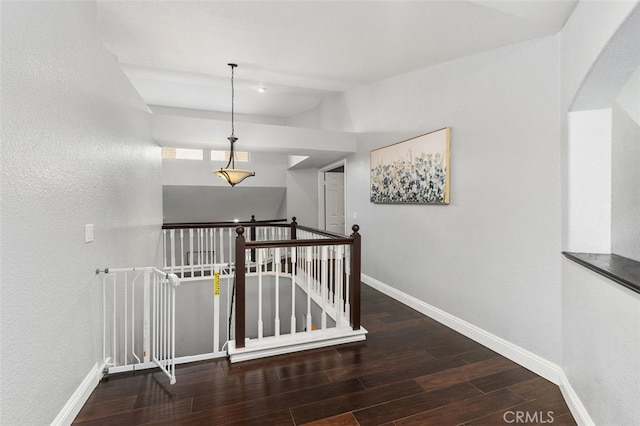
182, 154
240, 156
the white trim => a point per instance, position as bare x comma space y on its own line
201, 357
321, 201
80, 396
270, 346
578, 410
529, 360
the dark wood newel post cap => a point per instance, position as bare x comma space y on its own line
293, 220
253, 218
355, 228
240, 231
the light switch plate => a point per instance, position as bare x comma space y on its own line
88, 233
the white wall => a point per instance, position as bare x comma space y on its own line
76, 150
625, 200
589, 182
601, 343
600, 339
269, 168
491, 257
192, 193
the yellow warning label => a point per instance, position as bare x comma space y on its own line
216, 284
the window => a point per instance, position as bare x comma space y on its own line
240, 156
182, 154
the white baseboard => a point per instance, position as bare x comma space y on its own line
529, 360
80, 396
580, 413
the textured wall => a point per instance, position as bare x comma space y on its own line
599, 318
76, 150
601, 343
491, 257
625, 188
589, 166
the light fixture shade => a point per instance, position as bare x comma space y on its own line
233, 176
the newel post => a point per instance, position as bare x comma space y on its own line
253, 237
355, 278
240, 287
294, 226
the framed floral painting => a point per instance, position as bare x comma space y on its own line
412, 171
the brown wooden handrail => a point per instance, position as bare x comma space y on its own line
321, 232
226, 224
297, 243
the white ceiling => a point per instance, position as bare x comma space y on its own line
176, 52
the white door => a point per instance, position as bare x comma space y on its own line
334, 202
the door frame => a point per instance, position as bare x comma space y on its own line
321, 197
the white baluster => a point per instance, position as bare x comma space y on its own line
293, 290
324, 285
200, 251
213, 246
338, 283
154, 335
164, 248
216, 309
211, 241
276, 265
221, 247
331, 281
172, 235
231, 252
309, 267
173, 331
126, 311
146, 318
191, 256
260, 260
115, 313
347, 291
181, 253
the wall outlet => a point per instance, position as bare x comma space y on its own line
88, 233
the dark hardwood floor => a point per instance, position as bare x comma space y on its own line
410, 371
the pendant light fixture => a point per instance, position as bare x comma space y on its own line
232, 175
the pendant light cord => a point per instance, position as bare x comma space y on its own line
233, 95
232, 138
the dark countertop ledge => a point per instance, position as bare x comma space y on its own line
620, 269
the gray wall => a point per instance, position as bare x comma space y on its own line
302, 196
192, 193
76, 150
625, 179
213, 203
600, 338
491, 257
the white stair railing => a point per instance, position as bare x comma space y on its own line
138, 307
324, 265
299, 288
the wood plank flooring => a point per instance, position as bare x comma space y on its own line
410, 371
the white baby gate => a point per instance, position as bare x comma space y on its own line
139, 315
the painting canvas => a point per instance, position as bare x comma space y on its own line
412, 171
